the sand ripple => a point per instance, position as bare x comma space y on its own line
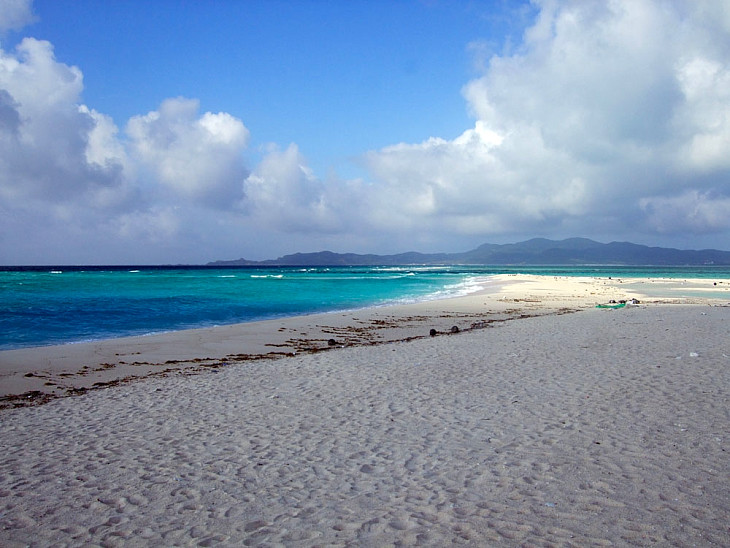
602, 428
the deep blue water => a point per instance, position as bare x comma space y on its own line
56, 305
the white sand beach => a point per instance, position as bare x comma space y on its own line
543, 422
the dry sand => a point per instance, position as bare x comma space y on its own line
532, 426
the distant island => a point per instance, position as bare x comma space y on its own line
537, 251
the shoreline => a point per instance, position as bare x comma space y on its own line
404, 301
700, 287
601, 427
35, 375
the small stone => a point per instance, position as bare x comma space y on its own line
454, 329
332, 342
433, 332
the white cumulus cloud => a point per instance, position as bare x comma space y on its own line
15, 14
196, 157
472, 184
602, 105
72, 186
52, 148
284, 194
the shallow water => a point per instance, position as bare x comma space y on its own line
56, 305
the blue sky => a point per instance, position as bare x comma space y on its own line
189, 131
339, 78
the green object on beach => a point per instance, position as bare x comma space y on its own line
619, 305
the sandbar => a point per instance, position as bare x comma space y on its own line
542, 421
30, 376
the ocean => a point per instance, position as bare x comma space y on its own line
60, 305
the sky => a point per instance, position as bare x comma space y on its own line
187, 131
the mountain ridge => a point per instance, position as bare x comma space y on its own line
536, 251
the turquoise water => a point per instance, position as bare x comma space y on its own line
43, 306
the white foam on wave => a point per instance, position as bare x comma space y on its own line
467, 286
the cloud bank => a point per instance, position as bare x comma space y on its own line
611, 119
610, 114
